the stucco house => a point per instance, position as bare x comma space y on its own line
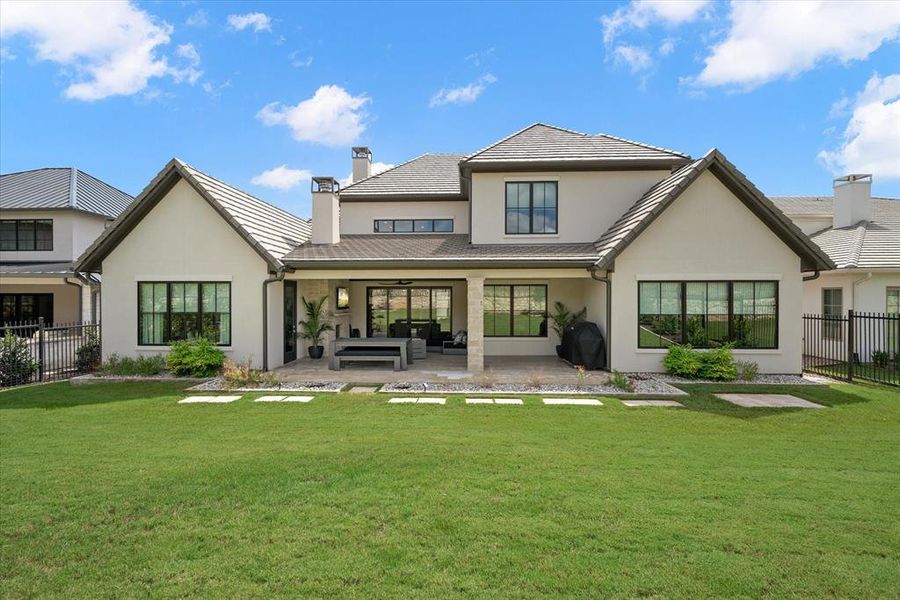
48, 217
658, 247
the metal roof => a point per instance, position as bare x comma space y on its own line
545, 143
444, 249
59, 269
269, 230
55, 188
660, 196
426, 175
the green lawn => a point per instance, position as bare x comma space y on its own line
115, 490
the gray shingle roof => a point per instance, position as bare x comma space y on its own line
866, 245
660, 196
272, 232
426, 175
546, 143
53, 188
434, 248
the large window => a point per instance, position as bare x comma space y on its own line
531, 207
19, 235
414, 226
708, 314
172, 311
409, 312
833, 311
515, 311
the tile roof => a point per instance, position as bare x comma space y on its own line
546, 143
866, 245
53, 188
426, 175
272, 232
644, 211
436, 248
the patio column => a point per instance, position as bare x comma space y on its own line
475, 350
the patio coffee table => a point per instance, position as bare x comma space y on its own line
404, 345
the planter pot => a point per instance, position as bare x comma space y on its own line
316, 351
559, 350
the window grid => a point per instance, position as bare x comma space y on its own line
531, 207
515, 310
173, 311
832, 311
26, 235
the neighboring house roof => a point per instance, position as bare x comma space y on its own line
539, 144
272, 232
439, 249
55, 188
43, 270
637, 218
866, 245
429, 175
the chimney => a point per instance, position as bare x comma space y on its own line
852, 200
326, 212
362, 163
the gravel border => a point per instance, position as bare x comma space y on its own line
92, 379
217, 384
761, 379
643, 386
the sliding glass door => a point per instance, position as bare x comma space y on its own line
408, 312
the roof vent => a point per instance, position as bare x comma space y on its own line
324, 184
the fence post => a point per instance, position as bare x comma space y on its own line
851, 332
40, 348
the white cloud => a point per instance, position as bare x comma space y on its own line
332, 117
198, 19
298, 61
189, 73
6, 54
215, 90
112, 48
769, 40
636, 58
639, 14
281, 178
377, 167
667, 47
462, 95
257, 20
479, 58
872, 138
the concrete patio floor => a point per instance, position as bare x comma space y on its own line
443, 368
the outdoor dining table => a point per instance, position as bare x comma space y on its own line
404, 344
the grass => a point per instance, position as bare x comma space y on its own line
115, 490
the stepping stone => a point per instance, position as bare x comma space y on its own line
507, 401
573, 401
637, 403
208, 399
432, 401
768, 401
402, 400
479, 400
284, 399
363, 389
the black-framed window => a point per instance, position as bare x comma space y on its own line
181, 310
25, 308
833, 311
531, 207
19, 235
515, 310
414, 226
708, 314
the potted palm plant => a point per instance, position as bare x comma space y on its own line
315, 325
562, 318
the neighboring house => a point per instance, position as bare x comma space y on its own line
861, 234
658, 246
47, 219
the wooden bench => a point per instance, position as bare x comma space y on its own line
363, 354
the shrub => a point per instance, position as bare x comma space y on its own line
238, 375
124, 366
880, 358
682, 361
717, 364
746, 370
620, 380
87, 357
195, 358
581, 375
16, 364
535, 378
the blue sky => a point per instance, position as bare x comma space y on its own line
792, 93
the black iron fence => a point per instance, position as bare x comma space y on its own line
858, 345
36, 351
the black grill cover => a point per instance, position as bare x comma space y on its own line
582, 344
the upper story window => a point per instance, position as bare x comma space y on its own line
19, 235
531, 207
414, 226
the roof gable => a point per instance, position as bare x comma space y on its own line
61, 188
428, 175
270, 231
637, 218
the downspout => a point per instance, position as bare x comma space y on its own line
80, 300
812, 277
279, 276
593, 271
856, 283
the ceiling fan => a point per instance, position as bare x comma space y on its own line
398, 282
